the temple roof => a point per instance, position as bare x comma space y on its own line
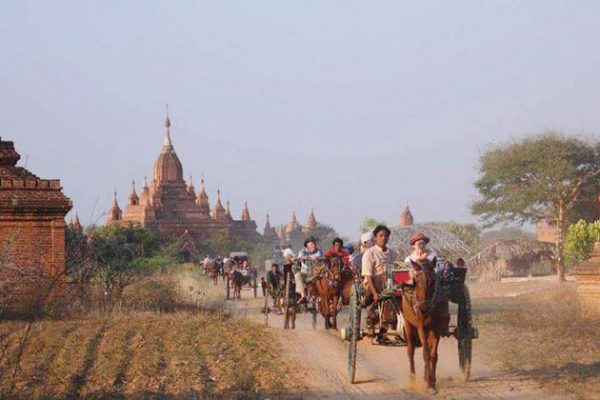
22, 192
245, 212
115, 213
293, 224
219, 211
133, 197
406, 218
191, 188
167, 167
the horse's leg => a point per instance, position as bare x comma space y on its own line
410, 348
326, 307
435, 341
336, 309
426, 352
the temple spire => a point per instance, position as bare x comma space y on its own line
114, 214
406, 218
245, 212
311, 222
167, 144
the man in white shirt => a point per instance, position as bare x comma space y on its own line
375, 262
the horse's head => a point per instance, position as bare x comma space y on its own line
424, 289
335, 267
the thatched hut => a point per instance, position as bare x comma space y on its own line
509, 258
444, 242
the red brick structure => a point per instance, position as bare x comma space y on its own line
170, 205
270, 233
32, 222
406, 218
294, 231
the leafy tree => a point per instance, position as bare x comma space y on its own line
505, 233
468, 233
369, 224
119, 253
579, 240
544, 176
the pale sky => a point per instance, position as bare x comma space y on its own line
352, 107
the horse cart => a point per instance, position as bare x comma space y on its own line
388, 326
237, 279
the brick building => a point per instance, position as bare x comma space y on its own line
32, 223
170, 205
406, 218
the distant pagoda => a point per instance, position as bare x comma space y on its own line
170, 205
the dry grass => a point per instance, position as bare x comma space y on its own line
194, 353
541, 335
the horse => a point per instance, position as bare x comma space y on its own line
212, 269
326, 287
346, 284
426, 321
239, 279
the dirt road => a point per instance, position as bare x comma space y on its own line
382, 371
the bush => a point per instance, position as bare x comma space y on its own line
154, 293
579, 240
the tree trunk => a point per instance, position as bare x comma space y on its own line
560, 263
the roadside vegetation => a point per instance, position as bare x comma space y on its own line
132, 320
540, 335
171, 336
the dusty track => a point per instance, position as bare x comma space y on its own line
382, 371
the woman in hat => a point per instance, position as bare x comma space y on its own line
420, 255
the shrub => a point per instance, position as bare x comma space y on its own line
579, 240
154, 293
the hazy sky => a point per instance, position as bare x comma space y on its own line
353, 107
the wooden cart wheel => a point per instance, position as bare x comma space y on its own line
227, 288
354, 325
266, 309
465, 339
286, 303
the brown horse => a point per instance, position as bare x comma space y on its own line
425, 322
239, 280
212, 270
332, 283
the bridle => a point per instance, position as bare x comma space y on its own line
425, 306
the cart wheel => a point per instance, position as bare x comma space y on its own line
266, 310
227, 288
465, 340
286, 303
254, 287
354, 325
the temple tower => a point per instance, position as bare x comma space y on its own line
406, 218
32, 234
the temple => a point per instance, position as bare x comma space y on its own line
406, 218
32, 230
170, 205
